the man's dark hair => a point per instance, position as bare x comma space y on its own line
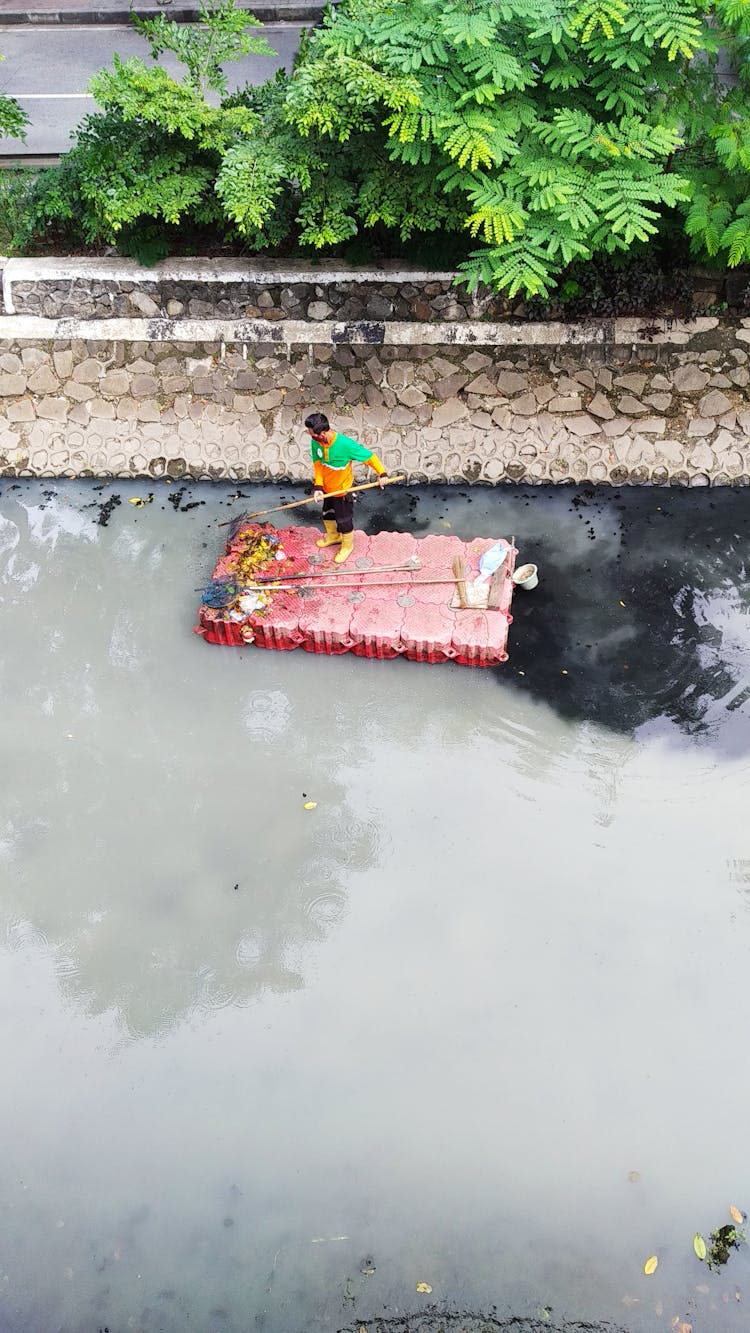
316, 423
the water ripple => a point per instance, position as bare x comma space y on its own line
266, 713
249, 951
325, 908
23, 934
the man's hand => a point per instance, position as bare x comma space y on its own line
382, 480
319, 496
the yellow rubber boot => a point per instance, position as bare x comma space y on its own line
332, 537
347, 542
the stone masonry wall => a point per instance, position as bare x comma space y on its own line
426, 301
178, 289
593, 412
276, 290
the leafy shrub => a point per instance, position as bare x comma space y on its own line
13, 118
322, 189
16, 221
149, 160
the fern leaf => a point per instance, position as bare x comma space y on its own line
736, 240
733, 144
590, 15
513, 268
707, 221
470, 143
468, 27
500, 221
669, 24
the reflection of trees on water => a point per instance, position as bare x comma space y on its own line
163, 893
152, 833
155, 934
124, 844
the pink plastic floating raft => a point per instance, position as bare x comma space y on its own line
413, 612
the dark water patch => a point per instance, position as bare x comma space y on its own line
642, 610
642, 613
434, 1321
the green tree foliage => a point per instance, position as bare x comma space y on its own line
549, 130
320, 188
534, 134
13, 118
149, 159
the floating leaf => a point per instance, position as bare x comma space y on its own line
736, 1215
136, 500
651, 1265
633, 1176
424, 1288
310, 805
622, 603
699, 1245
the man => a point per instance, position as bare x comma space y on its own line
332, 456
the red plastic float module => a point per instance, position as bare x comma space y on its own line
275, 588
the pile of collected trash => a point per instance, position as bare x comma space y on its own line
252, 551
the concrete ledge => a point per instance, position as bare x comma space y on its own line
66, 12
293, 333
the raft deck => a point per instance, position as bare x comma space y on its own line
413, 613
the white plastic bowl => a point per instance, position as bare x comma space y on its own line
526, 577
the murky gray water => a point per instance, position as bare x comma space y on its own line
428, 1028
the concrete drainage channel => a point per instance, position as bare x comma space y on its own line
207, 368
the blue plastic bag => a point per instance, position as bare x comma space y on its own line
492, 560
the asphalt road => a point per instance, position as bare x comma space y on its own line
47, 70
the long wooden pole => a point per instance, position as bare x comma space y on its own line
294, 587
411, 563
310, 499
